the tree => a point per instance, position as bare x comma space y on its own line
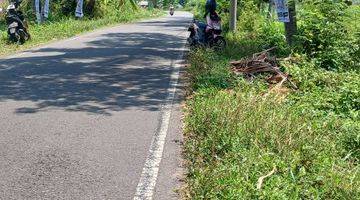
270, 8
132, 2
233, 15
291, 27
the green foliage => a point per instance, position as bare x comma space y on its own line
92, 8
64, 27
237, 131
324, 35
237, 137
164, 3
335, 93
255, 30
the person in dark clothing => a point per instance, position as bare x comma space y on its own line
210, 7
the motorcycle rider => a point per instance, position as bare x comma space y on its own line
171, 9
16, 22
210, 7
211, 16
211, 19
19, 13
208, 33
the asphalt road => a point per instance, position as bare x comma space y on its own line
78, 117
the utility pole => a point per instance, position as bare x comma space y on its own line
291, 27
233, 15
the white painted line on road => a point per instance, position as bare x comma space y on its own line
147, 183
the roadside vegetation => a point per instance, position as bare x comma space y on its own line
305, 142
63, 24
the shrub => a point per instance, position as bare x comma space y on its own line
255, 33
324, 36
91, 8
238, 131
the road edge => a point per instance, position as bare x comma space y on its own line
150, 173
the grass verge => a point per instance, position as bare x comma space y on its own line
66, 28
239, 131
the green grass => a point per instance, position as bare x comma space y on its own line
237, 131
66, 28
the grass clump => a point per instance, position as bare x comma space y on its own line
238, 131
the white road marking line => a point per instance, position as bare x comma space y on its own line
147, 183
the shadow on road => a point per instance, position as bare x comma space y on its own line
167, 24
116, 72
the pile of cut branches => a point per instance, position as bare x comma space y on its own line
261, 63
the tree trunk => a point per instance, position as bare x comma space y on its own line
270, 9
233, 15
291, 27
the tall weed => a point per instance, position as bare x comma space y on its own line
239, 131
325, 36
236, 137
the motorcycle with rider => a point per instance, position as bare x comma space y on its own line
172, 10
208, 33
17, 27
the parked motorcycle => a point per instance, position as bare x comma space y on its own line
209, 35
17, 26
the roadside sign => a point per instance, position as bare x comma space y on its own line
282, 10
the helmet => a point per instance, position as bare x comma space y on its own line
214, 16
11, 7
210, 5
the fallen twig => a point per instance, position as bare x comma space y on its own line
261, 179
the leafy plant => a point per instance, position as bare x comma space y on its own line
63, 25
91, 8
324, 36
238, 131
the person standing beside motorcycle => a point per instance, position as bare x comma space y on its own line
210, 14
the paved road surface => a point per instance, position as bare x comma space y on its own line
77, 117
